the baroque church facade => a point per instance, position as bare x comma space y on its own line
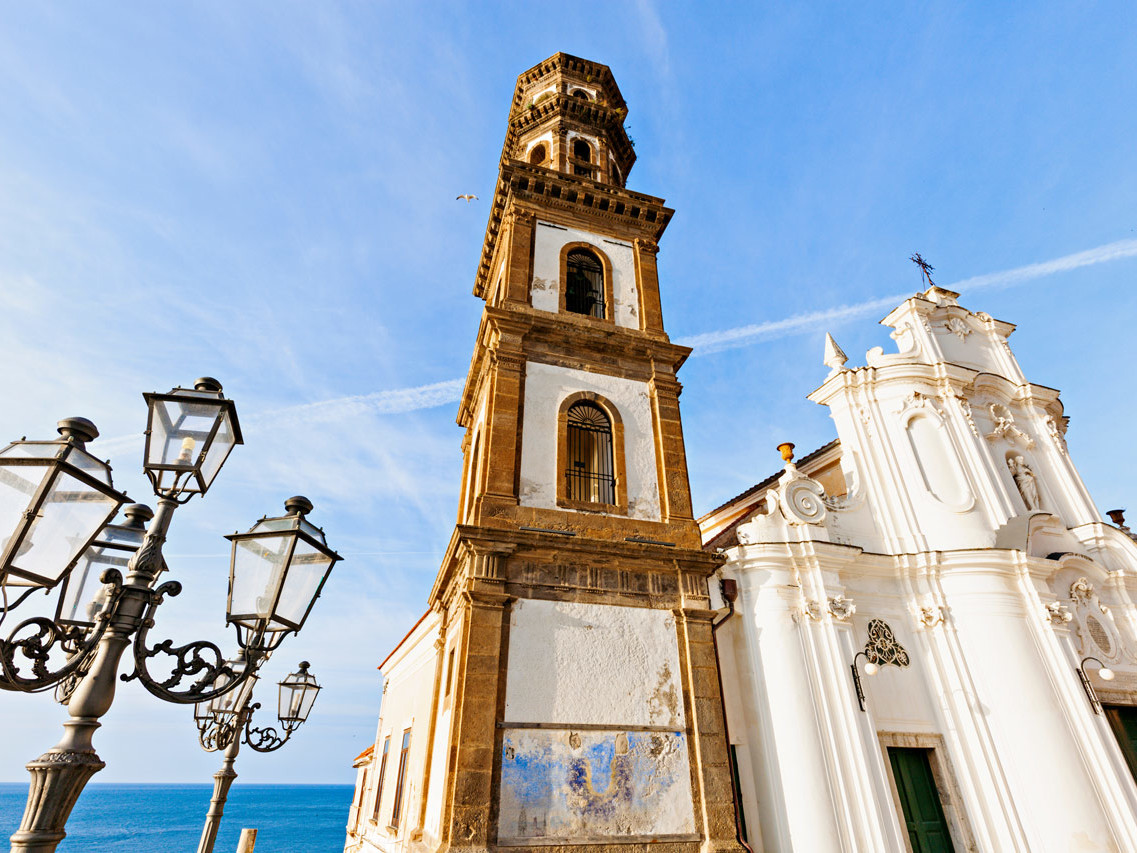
920, 637
935, 639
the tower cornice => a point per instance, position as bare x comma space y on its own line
636, 215
601, 348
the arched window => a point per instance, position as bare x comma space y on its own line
582, 158
580, 93
590, 476
584, 290
537, 155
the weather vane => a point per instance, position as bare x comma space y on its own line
925, 268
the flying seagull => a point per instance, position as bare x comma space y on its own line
469, 198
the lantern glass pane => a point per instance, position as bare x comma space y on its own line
89, 465
223, 442
84, 595
69, 517
18, 483
257, 570
297, 695
302, 583
227, 705
179, 428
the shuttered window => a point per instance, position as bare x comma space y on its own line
923, 812
379, 783
401, 781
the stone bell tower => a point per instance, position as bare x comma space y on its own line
580, 698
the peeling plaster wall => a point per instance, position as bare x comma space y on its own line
613, 671
545, 287
545, 387
592, 664
573, 786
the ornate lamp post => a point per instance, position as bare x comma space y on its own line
55, 502
227, 720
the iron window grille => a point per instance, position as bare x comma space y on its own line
590, 477
584, 292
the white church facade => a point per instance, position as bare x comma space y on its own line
933, 643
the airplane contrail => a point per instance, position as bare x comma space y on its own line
417, 398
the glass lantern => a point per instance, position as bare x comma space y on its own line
276, 573
189, 435
297, 695
84, 594
55, 497
225, 708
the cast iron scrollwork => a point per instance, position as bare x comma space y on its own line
214, 735
266, 739
200, 658
35, 640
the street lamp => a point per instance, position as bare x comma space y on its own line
55, 497
56, 500
223, 724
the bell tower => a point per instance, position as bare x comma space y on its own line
580, 703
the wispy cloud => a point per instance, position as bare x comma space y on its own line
403, 400
710, 342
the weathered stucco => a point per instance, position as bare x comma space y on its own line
545, 289
545, 387
576, 785
592, 664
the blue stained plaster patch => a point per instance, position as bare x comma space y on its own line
564, 784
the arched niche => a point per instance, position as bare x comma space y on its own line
940, 468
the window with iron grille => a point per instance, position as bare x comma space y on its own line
402, 778
584, 290
379, 784
590, 477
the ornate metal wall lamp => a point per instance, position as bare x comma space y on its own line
56, 502
882, 649
1104, 673
226, 720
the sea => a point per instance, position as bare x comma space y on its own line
168, 818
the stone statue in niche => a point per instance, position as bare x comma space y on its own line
1025, 481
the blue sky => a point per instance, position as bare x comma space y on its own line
264, 192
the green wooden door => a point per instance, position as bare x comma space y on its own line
1123, 721
923, 812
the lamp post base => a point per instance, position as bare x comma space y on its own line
58, 777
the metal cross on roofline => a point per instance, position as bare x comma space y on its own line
925, 268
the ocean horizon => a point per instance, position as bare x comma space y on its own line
168, 818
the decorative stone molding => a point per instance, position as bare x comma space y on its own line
965, 407
1056, 433
883, 648
841, 608
809, 609
929, 613
957, 327
1005, 427
1058, 613
915, 401
802, 501
1082, 591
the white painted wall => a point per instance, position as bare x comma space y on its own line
546, 386
546, 284
592, 664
